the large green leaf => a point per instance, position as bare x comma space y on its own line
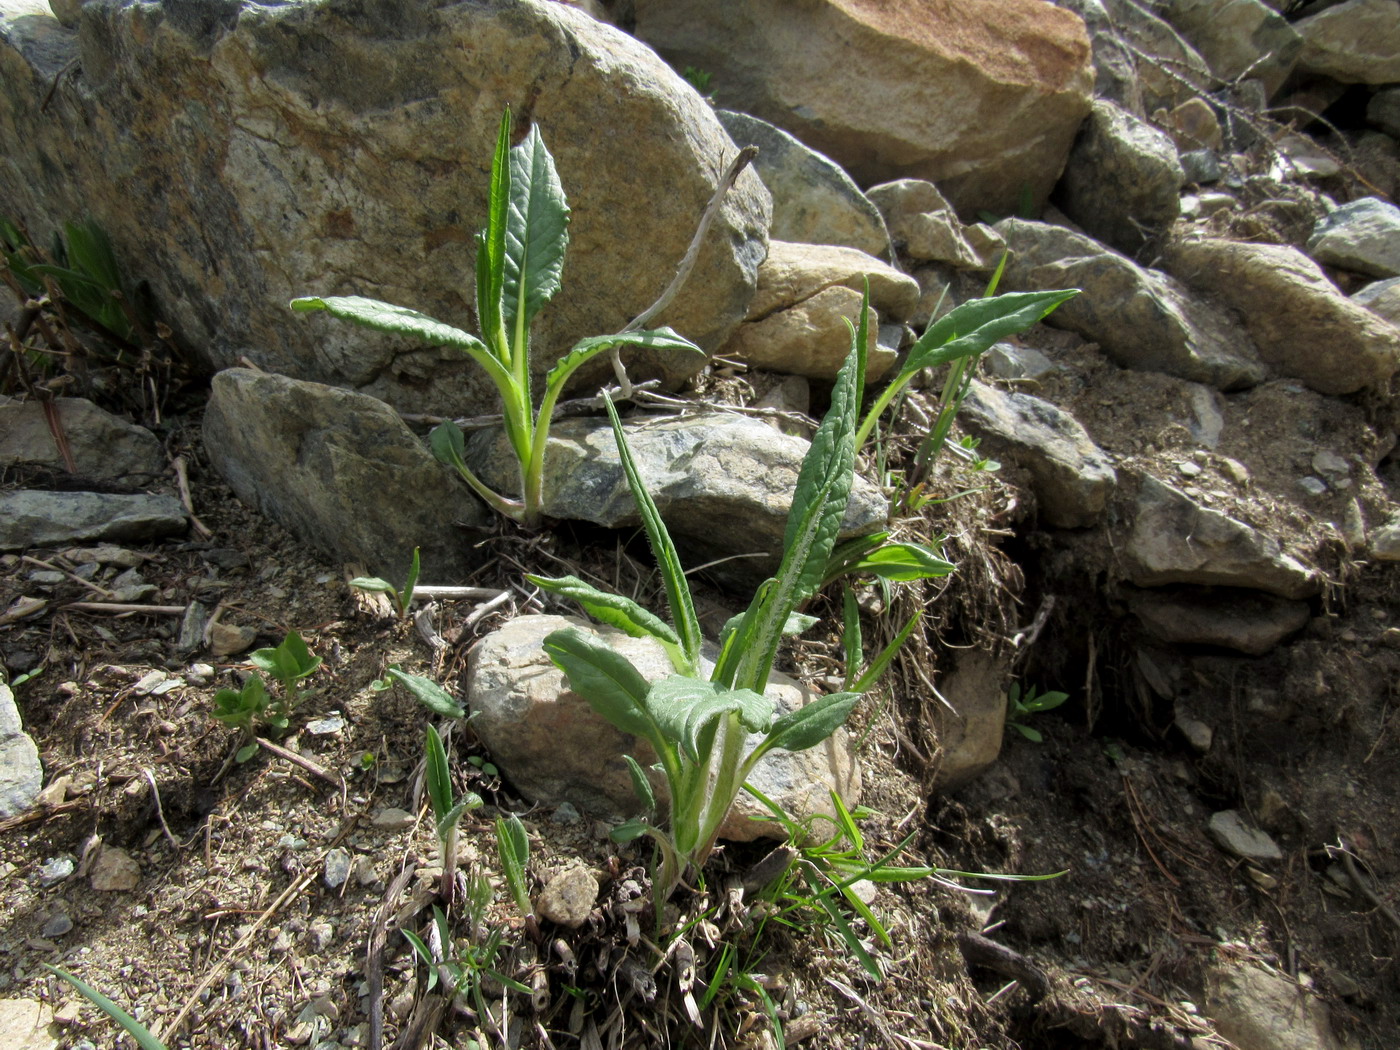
687, 624
437, 774
975, 325
684, 708
605, 678
605, 607
818, 507
537, 233
491, 250
386, 317
810, 724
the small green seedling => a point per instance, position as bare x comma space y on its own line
252, 707
246, 709
461, 965
448, 809
401, 599
513, 844
1020, 707
519, 267
134, 1028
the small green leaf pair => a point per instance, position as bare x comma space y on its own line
519, 266
251, 707
1021, 706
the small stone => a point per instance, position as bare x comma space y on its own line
56, 793
332, 723
57, 925
1234, 470
565, 813
56, 869
1201, 167
393, 819
364, 872
1198, 735
1189, 468
1235, 835
148, 683
338, 864
1262, 879
115, 870
227, 640
319, 936
568, 898
69, 1014
1313, 486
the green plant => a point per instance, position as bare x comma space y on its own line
698, 728
959, 338
427, 692
133, 1027
1021, 706
251, 707
519, 263
448, 808
83, 272
461, 964
513, 845
401, 599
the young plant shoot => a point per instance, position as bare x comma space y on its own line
519, 267
699, 727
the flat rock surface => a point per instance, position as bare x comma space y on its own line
101, 444
33, 518
1247, 622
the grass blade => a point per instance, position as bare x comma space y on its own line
133, 1027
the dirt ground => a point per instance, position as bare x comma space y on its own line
232, 937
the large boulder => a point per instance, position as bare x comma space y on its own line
1302, 324
1357, 41
240, 154
983, 99
342, 471
1142, 318
1239, 38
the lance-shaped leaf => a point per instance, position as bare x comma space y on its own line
606, 679
684, 708
810, 724
491, 250
687, 624
428, 693
901, 561
386, 317
536, 235
437, 775
613, 609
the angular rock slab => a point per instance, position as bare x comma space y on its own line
1303, 326
1239, 38
102, 445
21, 773
794, 272
240, 154
340, 470
723, 483
1259, 1009
34, 518
1245, 621
1141, 318
1382, 298
1177, 540
1363, 236
1071, 476
814, 200
1356, 42
983, 99
1123, 181
923, 223
553, 748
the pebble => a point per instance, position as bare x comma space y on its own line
392, 819
57, 925
1234, 470
56, 869
1198, 735
1189, 468
332, 723
320, 936
1236, 835
115, 870
200, 674
227, 640
338, 863
565, 813
46, 577
568, 897
1313, 486
364, 871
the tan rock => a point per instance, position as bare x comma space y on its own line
923, 223
26, 1024
983, 99
810, 338
115, 870
1301, 323
794, 272
568, 897
1355, 42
